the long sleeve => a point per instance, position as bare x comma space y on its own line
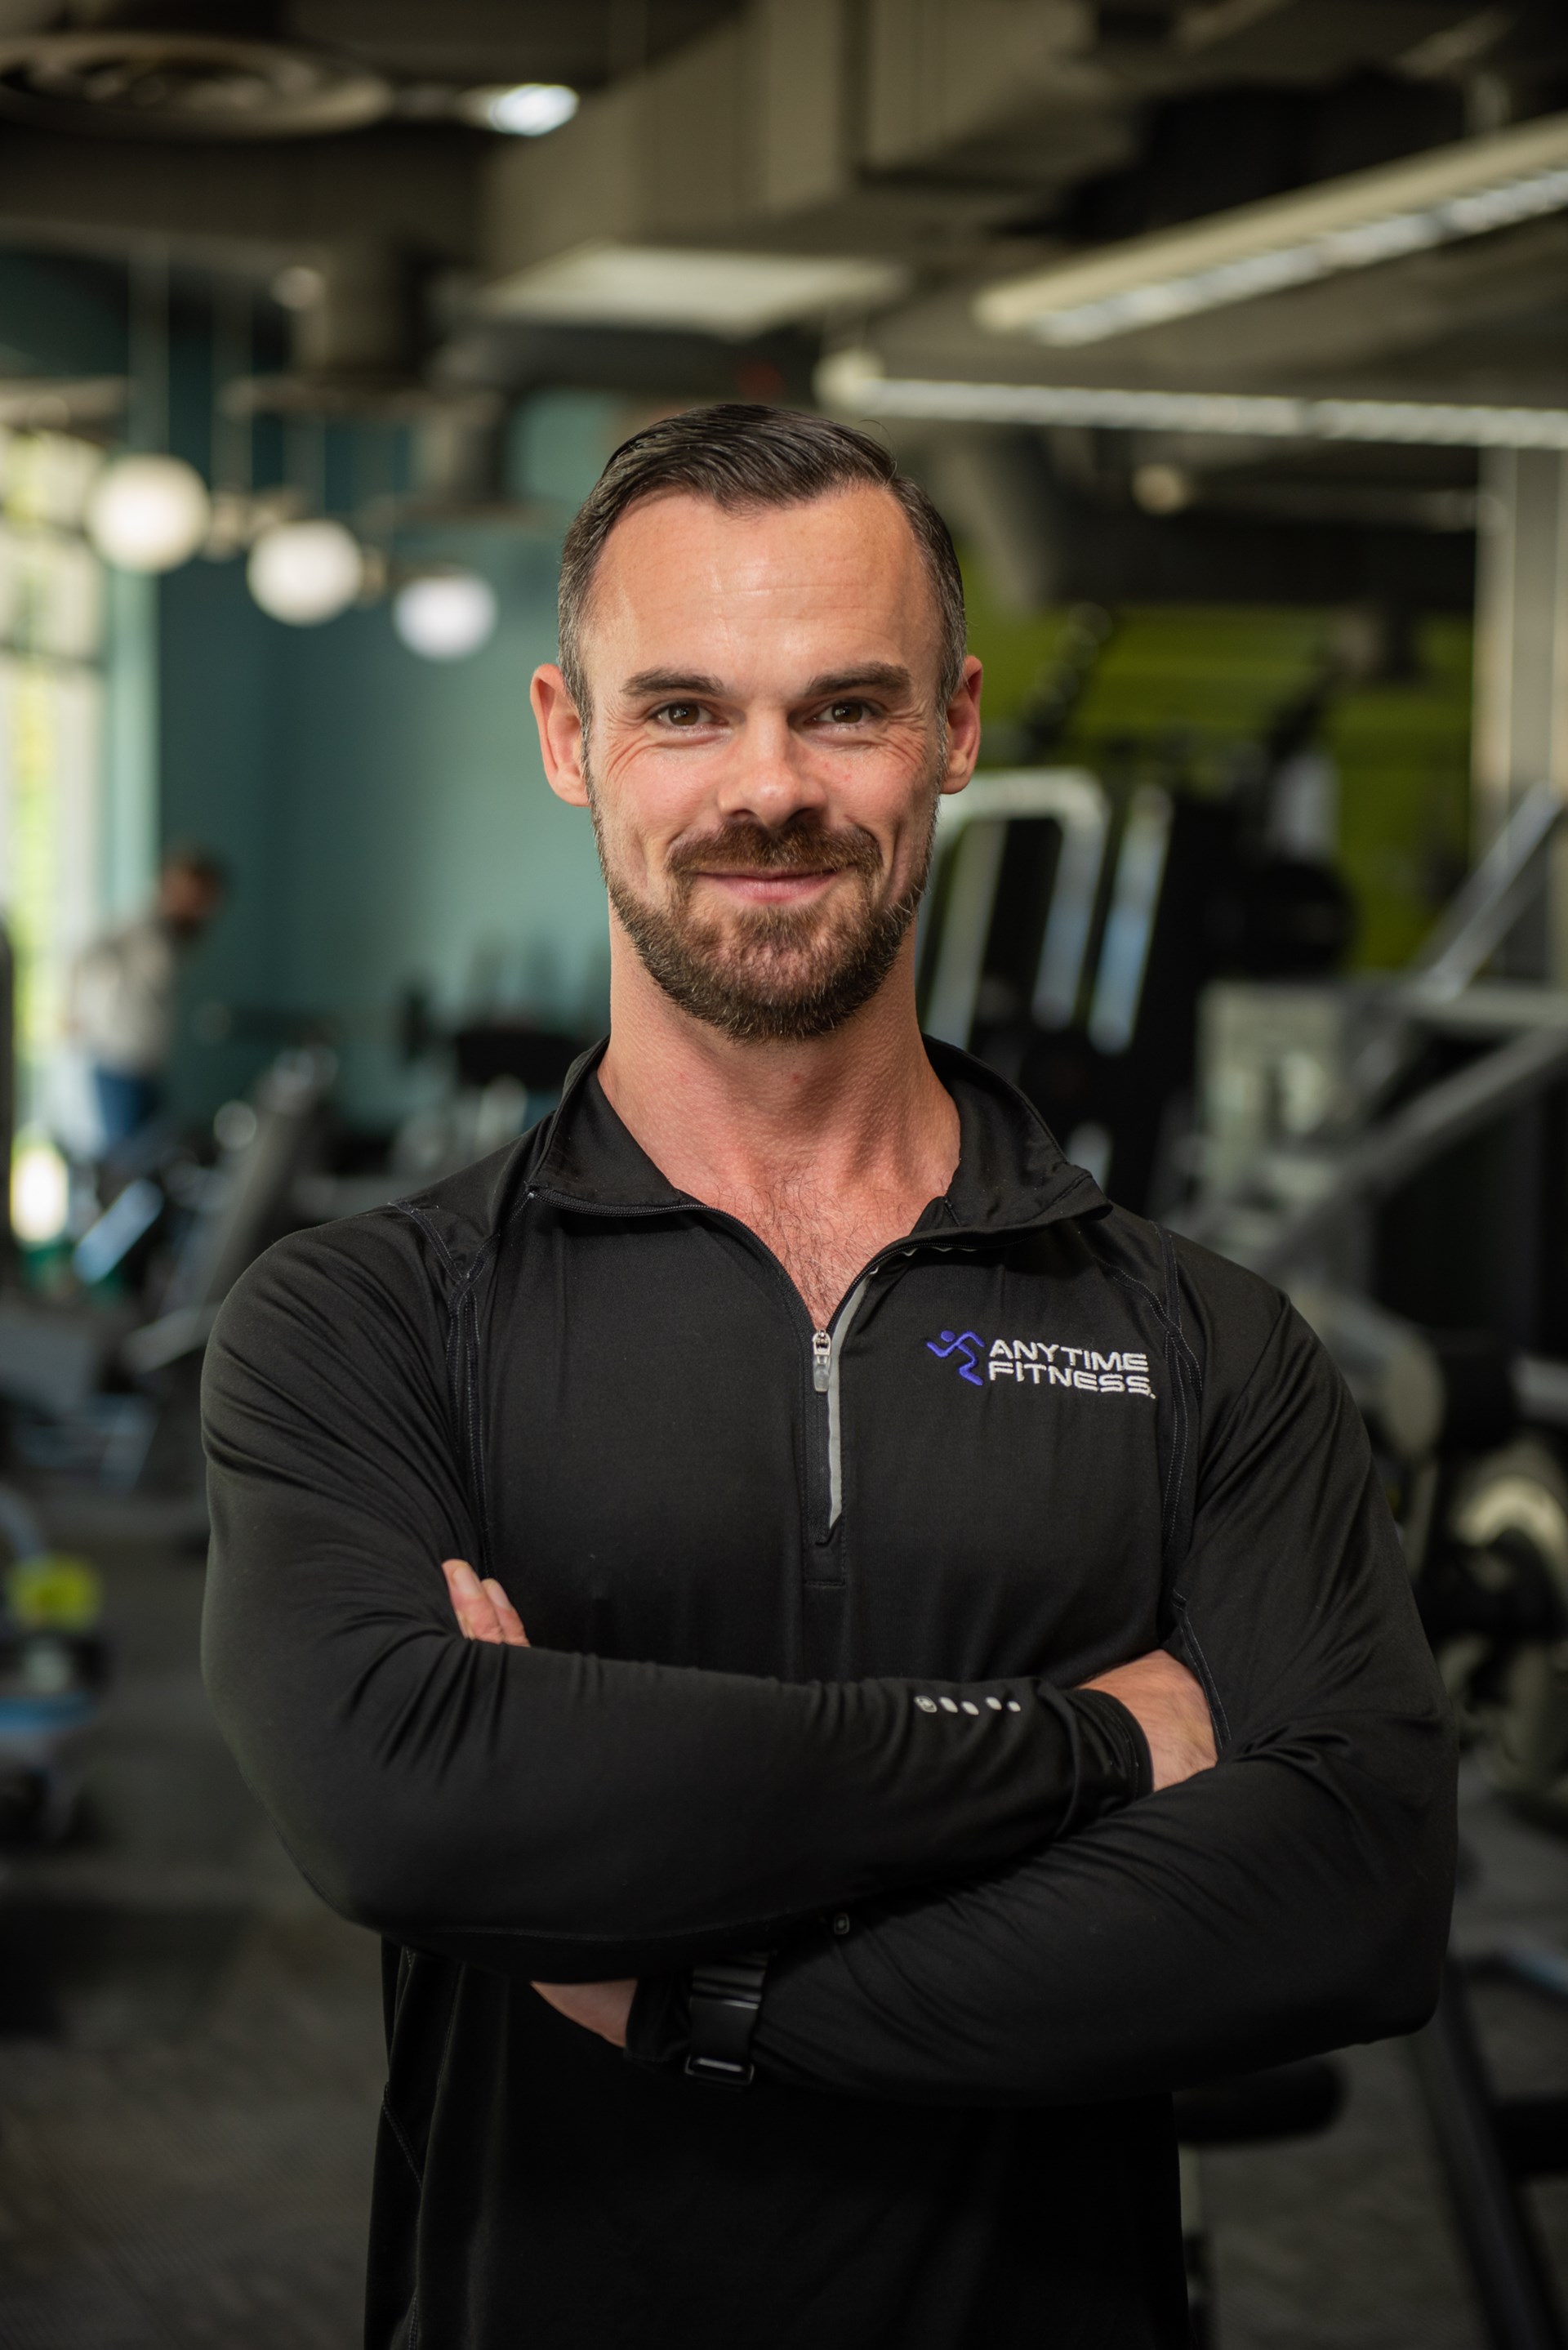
1293, 1898
542, 1811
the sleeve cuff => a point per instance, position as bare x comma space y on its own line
1115, 1767
658, 2029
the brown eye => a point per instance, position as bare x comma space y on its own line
681, 713
846, 714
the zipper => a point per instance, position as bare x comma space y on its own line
826, 1355
827, 1345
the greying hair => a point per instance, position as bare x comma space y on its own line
742, 456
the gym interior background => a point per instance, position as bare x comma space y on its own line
1230, 337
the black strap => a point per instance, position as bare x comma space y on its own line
726, 1997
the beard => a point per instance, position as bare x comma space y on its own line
772, 974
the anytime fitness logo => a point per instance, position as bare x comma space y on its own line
1083, 1369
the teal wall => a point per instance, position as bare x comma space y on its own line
219, 785
387, 820
61, 315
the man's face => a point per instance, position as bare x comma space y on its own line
187, 900
766, 751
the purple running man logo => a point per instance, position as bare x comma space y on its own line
969, 1344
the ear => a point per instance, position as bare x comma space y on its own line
561, 735
963, 727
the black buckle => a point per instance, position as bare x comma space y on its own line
719, 2073
726, 1998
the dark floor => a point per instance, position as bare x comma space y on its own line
189, 2065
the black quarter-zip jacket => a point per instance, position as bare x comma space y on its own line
809, 1610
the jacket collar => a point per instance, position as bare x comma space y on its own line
1011, 1176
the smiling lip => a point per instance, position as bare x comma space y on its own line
768, 887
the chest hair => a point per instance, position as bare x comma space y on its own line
822, 1242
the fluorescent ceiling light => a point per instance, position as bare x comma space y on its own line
730, 294
850, 384
1379, 215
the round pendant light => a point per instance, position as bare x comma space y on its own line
148, 513
305, 572
445, 616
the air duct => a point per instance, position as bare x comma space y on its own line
181, 73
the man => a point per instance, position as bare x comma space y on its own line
876, 1498
123, 997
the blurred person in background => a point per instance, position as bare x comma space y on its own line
123, 993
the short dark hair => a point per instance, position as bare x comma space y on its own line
190, 856
742, 455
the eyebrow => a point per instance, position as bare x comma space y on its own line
671, 681
890, 676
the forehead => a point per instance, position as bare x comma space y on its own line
682, 582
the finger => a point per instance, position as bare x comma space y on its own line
604, 2007
470, 1603
506, 1615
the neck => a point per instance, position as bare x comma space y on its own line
858, 1110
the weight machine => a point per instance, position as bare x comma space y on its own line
1076, 944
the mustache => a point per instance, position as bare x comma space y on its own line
795, 848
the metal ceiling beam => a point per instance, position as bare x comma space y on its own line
229, 206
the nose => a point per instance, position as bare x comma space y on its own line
768, 776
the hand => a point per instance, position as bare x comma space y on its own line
604, 2007
483, 1610
1171, 1709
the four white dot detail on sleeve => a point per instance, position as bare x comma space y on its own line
966, 1705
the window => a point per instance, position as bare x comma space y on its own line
51, 723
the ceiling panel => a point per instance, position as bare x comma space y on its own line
583, 43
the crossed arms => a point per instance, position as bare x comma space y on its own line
1021, 1932
1163, 1697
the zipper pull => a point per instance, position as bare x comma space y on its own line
821, 1359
